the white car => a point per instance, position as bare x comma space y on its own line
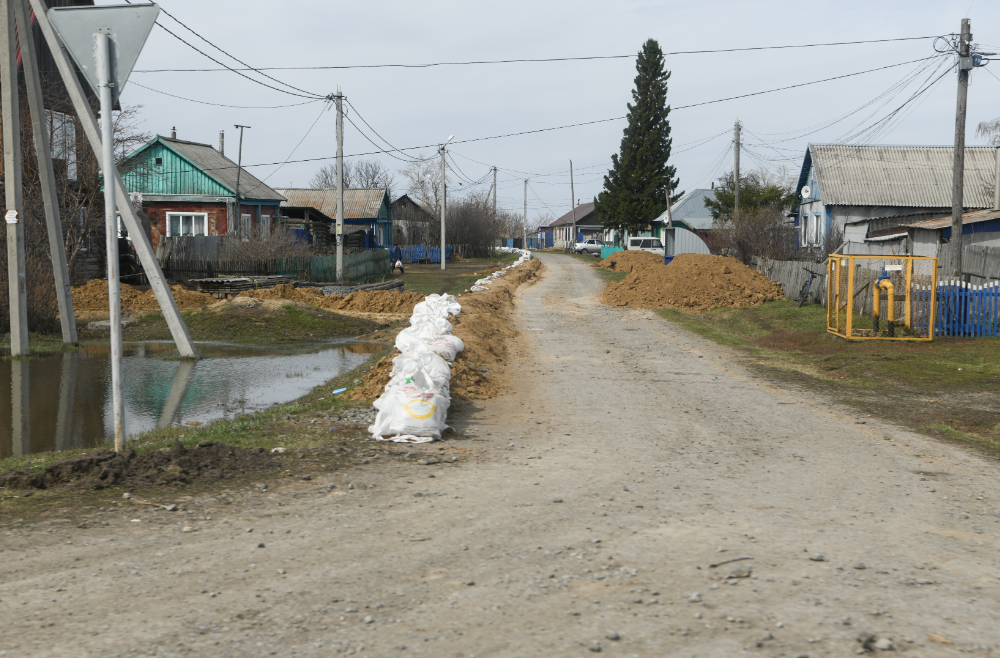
652, 245
589, 247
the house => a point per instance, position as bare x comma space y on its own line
585, 227
689, 212
189, 188
411, 222
924, 237
367, 212
844, 185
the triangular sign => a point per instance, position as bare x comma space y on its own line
127, 25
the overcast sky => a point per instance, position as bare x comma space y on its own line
414, 107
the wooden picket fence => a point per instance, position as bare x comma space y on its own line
966, 309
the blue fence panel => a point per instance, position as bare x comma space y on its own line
607, 251
968, 310
424, 254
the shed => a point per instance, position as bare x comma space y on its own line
366, 210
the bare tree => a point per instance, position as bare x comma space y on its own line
279, 242
326, 177
990, 130
422, 178
363, 174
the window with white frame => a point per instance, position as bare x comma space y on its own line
187, 224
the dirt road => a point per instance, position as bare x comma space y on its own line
587, 515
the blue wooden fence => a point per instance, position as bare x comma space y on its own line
968, 310
424, 254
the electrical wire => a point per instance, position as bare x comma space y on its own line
521, 61
326, 106
239, 107
378, 135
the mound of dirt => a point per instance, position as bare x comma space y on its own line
479, 372
287, 291
94, 296
376, 301
693, 283
629, 260
178, 465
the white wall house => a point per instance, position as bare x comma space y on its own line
848, 184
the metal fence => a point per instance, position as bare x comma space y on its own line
878, 297
424, 254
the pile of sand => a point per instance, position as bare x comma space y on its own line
479, 372
363, 301
94, 296
626, 261
692, 282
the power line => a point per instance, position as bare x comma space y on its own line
378, 135
239, 107
525, 60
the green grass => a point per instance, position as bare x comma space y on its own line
38, 345
429, 278
945, 388
246, 325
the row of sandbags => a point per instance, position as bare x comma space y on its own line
414, 406
484, 284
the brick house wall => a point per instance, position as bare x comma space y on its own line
157, 212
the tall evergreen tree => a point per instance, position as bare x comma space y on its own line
635, 189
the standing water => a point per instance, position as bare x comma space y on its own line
66, 398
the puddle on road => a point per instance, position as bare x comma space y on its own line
68, 396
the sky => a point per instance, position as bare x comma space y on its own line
422, 106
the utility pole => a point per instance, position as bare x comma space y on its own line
572, 205
495, 193
736, 171
11, 115
340, 185
996, 182
103, 52
46, 173
958, 171
444, 200
670, 219
238, 219
524, 231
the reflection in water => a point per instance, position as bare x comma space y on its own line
63, 401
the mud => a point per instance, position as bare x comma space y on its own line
178, 465
364, 301
626, 261
94, 296
480, 371
692, 283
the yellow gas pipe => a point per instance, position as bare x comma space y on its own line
885, 284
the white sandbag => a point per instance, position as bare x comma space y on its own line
409, 368
478, 288
406, 414
447, 347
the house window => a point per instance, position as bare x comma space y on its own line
245, 224
265, 226
182, 224
159, 161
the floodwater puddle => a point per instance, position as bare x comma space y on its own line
64, 401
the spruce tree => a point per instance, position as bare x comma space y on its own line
635, 189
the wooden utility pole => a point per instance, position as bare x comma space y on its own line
958, 169
239, 170
736, 171
340, 185
494, 194
444, 207
14, 211
46, 173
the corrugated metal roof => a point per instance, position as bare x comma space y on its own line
967, 218
358, 203
691, 209
908, 176
582, 212
221, 169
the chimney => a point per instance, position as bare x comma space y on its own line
222, 142
173, 133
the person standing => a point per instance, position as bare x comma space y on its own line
397, 260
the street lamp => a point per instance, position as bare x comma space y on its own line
444, 198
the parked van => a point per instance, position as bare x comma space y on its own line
652, 245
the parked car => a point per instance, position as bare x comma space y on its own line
590, 247
652, 245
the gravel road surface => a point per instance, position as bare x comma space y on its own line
639, 494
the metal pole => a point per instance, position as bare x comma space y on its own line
736, 171
340, 185
524, 236
239, 169
444, 205
13, 214
572, 205
46, 174
140, 238
111, 236
996, 183
495, 192
958, 170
